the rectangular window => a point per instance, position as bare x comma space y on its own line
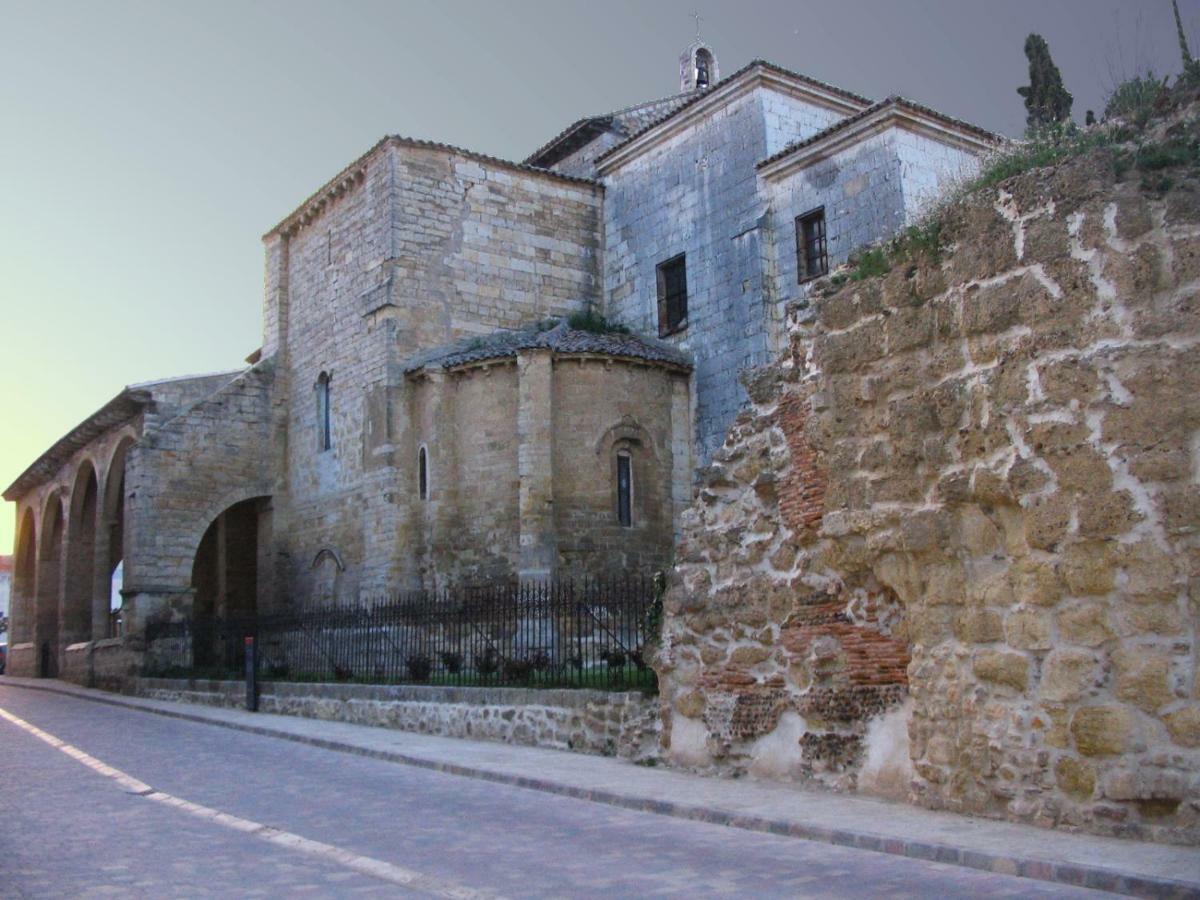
672, 296
812, 258
624, 490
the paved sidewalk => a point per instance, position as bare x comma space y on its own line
1104, 863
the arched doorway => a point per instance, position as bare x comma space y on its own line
24, 604
49, 585
80, 588
226, 578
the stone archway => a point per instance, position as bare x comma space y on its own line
80, 585
226, 578
225, 571
24, 600
106, 613
49, 588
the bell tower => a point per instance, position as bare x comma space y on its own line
698, 68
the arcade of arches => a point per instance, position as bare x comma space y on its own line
99, 554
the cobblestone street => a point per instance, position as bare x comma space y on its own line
334, 818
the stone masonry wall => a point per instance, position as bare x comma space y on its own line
949, 552
609, 724
697, 193
469, 527
182, 475
427, 246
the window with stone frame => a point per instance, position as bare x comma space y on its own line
672, 295
812, 255
324, 431
423, 474
624, 489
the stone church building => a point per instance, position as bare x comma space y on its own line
475, 369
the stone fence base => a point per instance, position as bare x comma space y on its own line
22, 660
612, 724
107, 663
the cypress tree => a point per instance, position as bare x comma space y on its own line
1188, 62
1046, 100
1191, 68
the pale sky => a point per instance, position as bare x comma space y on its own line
146, 146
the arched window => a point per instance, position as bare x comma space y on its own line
624, 488
324, 433
422, 474
703, 68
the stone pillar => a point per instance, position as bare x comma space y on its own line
101, 576
442, 524
275, 562
275, 295
264, 601
535, 458
220, 602
681, 451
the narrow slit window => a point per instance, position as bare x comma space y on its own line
624, 490
422, 474
324, 435
812, 256
672, 295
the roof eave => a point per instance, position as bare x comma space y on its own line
356, 172
117, 411
756, 74
892, 115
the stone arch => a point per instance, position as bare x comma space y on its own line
80, 554
327, 569
49, 586
24, 591
628, 459
113, 522
226, 568
194, 533
627, 431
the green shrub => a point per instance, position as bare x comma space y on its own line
1134, 100
1045, 147
590, 320
870, 263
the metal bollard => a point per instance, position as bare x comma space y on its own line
251, 676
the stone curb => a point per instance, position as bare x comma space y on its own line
1075, 875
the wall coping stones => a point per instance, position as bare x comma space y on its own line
411, 693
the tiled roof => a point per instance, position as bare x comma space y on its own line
696, 96
560, 338
893, 101
623, 121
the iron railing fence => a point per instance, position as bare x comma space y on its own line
588, 633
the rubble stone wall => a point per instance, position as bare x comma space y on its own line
610, 724
949, 551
